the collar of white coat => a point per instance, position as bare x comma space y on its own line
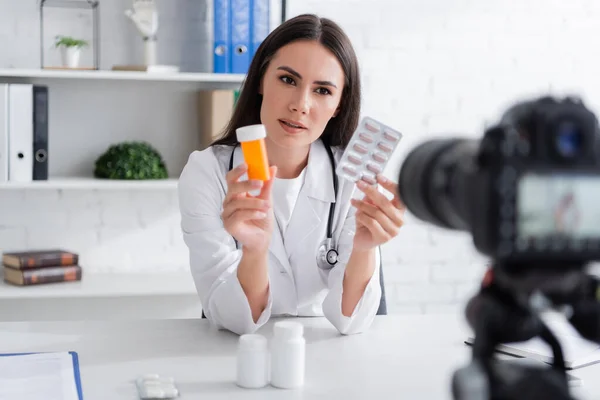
318, 182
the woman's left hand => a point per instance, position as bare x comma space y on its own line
377, 219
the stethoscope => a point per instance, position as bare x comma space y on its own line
327, 254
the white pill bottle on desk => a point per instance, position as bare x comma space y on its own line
288, 354
252, 362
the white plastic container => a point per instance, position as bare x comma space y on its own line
252, 361
288, 355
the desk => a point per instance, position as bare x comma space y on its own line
410, 357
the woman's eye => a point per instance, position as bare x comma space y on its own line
287, 79
323, 91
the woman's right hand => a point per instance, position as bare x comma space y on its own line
248, 219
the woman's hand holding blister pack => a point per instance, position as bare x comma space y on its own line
247, 218
378, 219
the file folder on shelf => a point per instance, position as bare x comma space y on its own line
239, 28
40, 133
221, 36
260, 24
240, 36
20, 137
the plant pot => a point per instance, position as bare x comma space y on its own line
70, 56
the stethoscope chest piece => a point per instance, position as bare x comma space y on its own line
327, 255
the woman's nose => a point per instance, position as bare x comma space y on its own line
301, 102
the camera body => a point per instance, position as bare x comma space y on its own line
528, 191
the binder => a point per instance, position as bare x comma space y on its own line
76, 371
221, 36
259, 24
240, 36
40, 133
20, 137
4, 132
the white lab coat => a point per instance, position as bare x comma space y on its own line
297, 286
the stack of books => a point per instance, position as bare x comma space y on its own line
25, 268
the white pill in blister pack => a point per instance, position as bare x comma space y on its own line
369, 151
155, 387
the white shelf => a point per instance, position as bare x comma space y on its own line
232, 80
92, 183
107, 285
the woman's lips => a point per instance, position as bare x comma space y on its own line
289, 128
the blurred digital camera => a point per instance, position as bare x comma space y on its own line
529, 190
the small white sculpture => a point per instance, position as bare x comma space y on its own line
145, 18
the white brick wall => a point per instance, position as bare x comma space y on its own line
429, 67
446, 67
113, 230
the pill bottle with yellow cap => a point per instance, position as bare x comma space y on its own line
252, 141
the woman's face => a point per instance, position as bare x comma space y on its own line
301, 90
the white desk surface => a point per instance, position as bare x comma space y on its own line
401, 357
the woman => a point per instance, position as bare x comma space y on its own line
256, 257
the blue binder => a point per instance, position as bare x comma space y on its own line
77, 374
259, 24
221, 36
240, 36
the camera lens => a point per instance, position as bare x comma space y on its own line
569, 139
432, 182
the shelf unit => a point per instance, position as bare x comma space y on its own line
104, 296
92, 183
210, 80
113, 81
106, 284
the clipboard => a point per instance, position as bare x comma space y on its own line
76, 373
578, 353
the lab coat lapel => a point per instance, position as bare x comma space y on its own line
276, 247
313, 200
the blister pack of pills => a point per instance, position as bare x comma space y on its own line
155, 387
368, 152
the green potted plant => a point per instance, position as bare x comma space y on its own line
70, 49
134, 160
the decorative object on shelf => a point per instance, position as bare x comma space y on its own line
152, 69
70, 50
145, 18
131, 161
71, 61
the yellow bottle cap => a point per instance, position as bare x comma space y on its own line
250, 132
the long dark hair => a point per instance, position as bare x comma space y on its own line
303, 27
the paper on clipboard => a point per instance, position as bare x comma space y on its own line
39, 376
578, 352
